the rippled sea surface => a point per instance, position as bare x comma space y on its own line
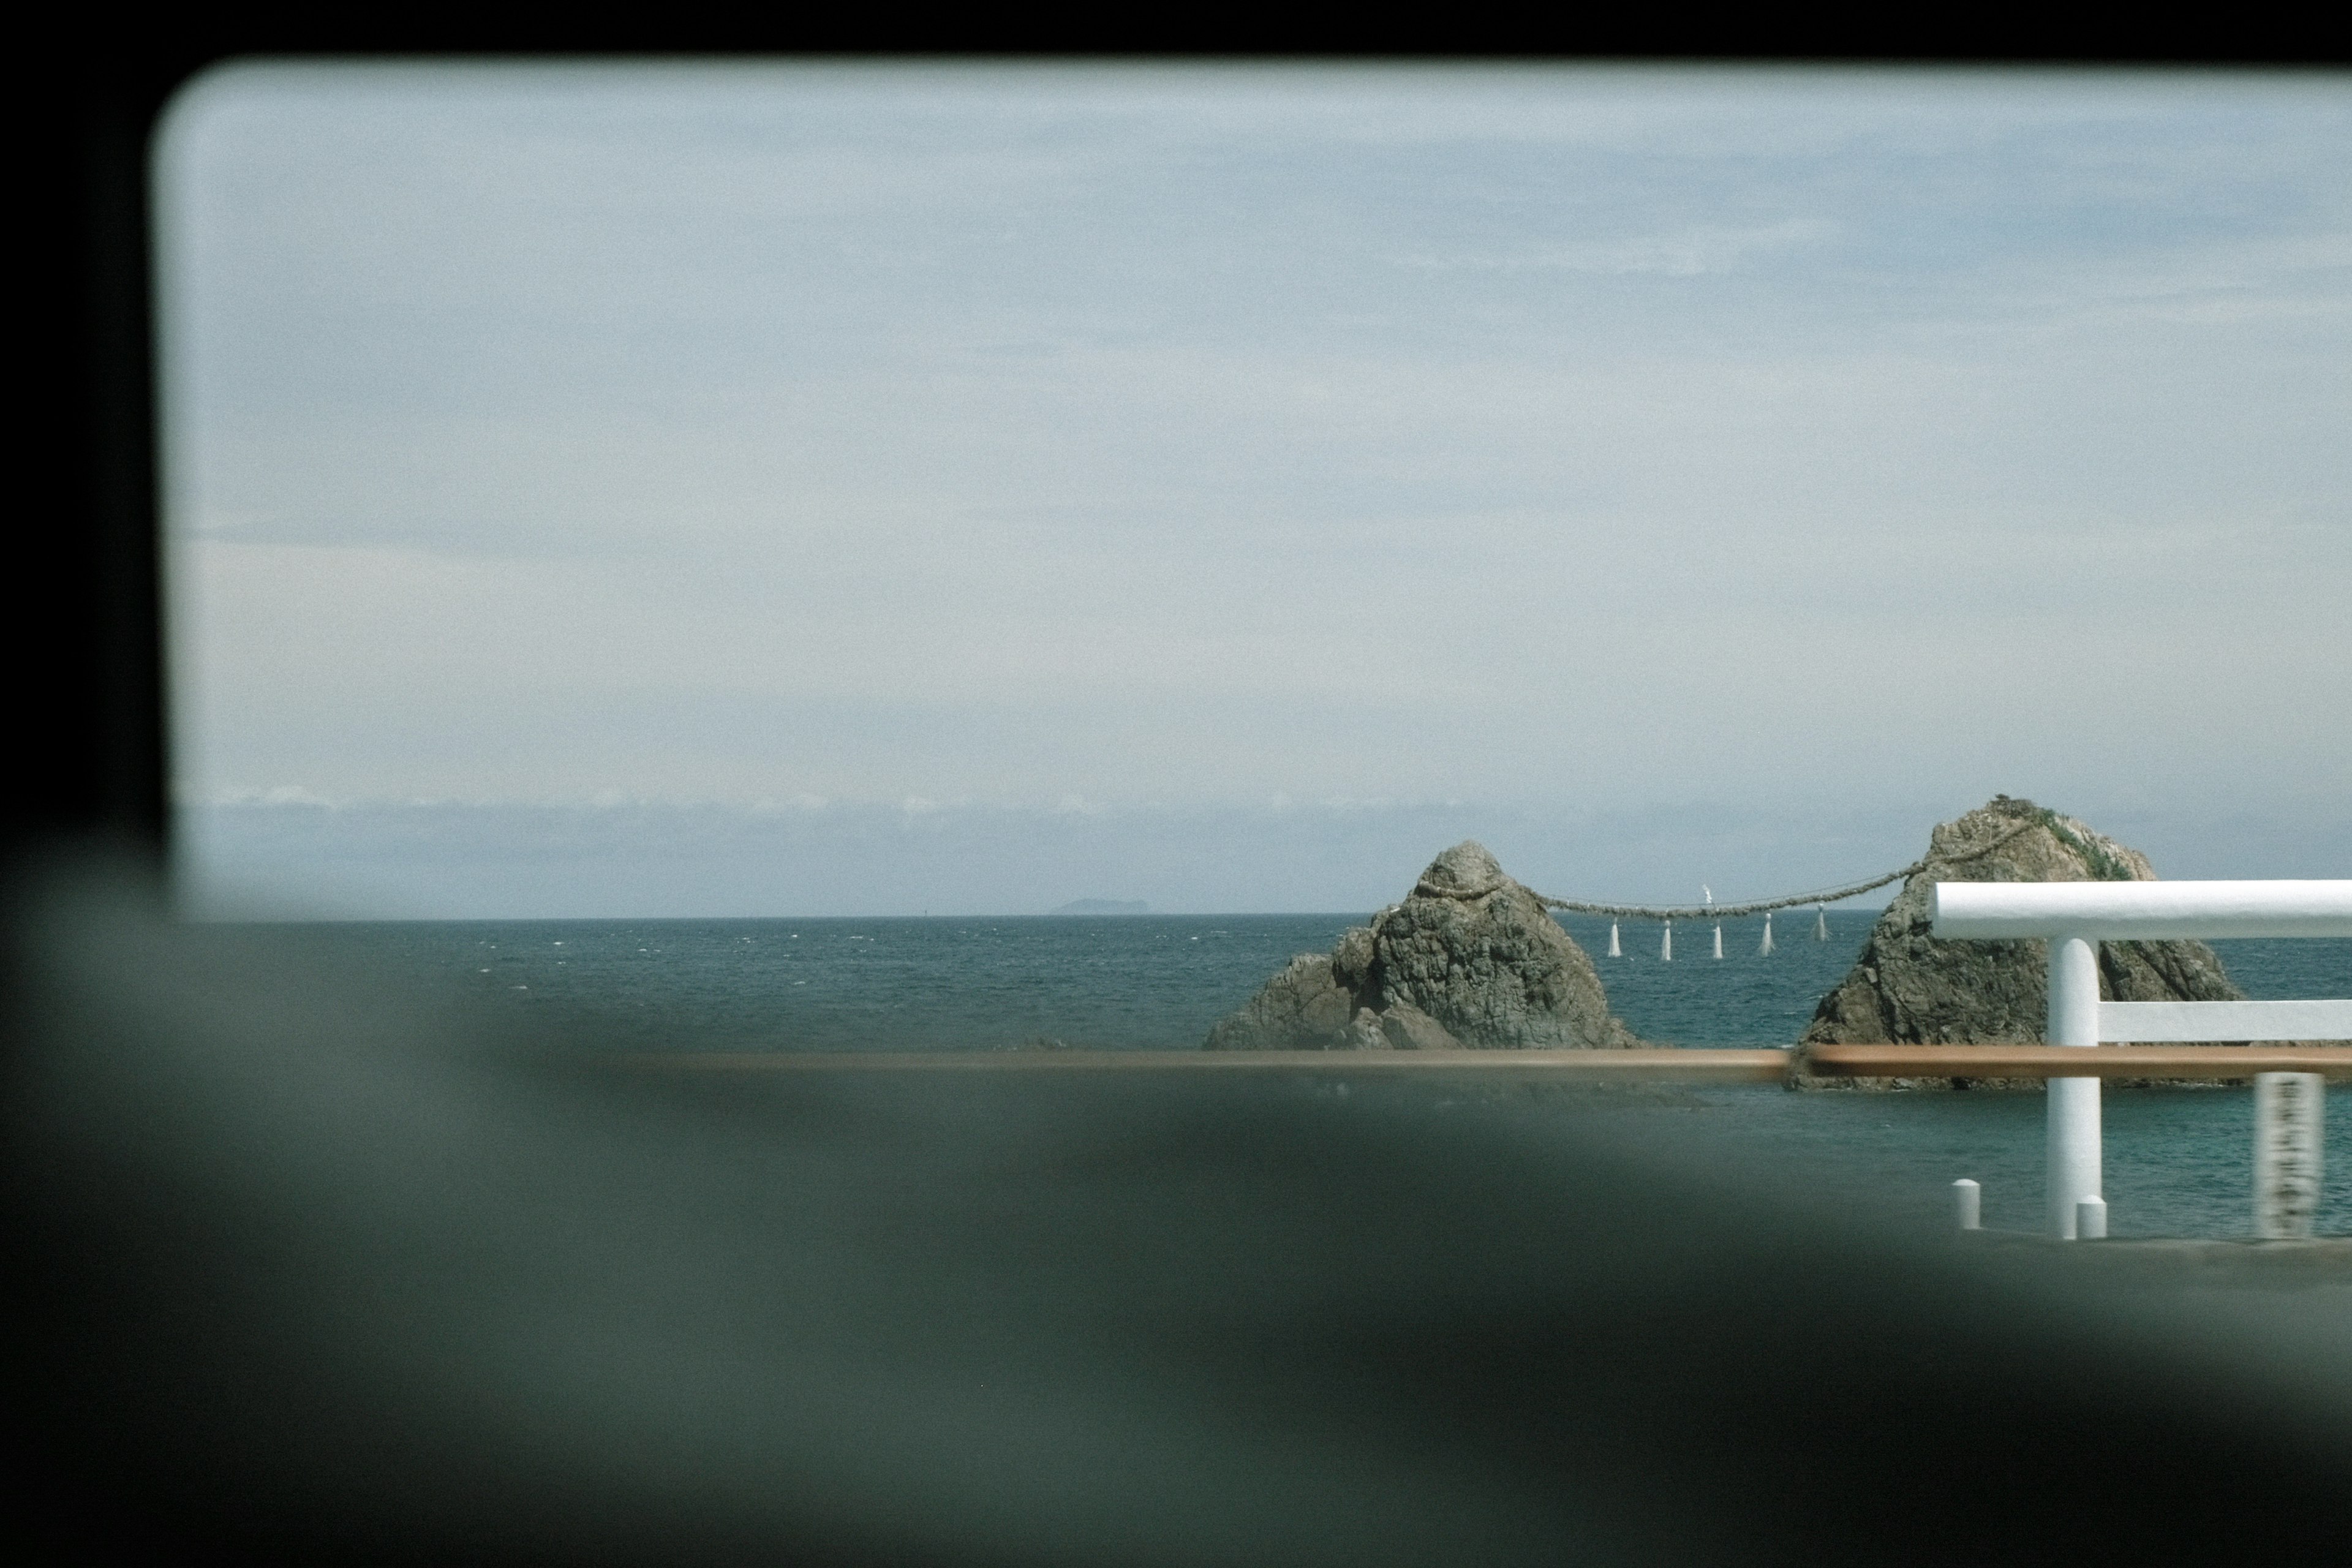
2178, 1161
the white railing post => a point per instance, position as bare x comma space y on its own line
1968, 1204
2073, 1109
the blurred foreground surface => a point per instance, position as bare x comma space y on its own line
304, 1263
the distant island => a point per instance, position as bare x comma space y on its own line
1104, 907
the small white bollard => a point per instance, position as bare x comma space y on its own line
1968, 1204
2091, 1220
1666, 945
2288, 1108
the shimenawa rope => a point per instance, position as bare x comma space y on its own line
1718, 911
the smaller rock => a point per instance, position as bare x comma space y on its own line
1470, 960
1478, 954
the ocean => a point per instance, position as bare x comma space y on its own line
2179, 1160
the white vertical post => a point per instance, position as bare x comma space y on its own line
1766, 946
1666, 945
1718, 942
1614, 951
1968, 1204
2288, 1108
2073, 1111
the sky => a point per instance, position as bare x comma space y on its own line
886, 490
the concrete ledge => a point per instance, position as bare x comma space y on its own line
2321, 1261
2077, 1062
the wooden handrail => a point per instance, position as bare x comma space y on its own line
1656, 1065
2077, 1061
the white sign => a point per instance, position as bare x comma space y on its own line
2288, 1109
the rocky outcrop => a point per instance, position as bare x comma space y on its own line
1469, 958
1908, 988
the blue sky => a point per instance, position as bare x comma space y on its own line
861, 491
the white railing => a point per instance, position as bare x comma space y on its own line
2074, 917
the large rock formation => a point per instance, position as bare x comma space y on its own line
1470, 959
1908, 988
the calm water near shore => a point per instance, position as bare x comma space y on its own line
2177, 1160
1113, 982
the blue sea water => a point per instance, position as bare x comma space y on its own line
2177, 1160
